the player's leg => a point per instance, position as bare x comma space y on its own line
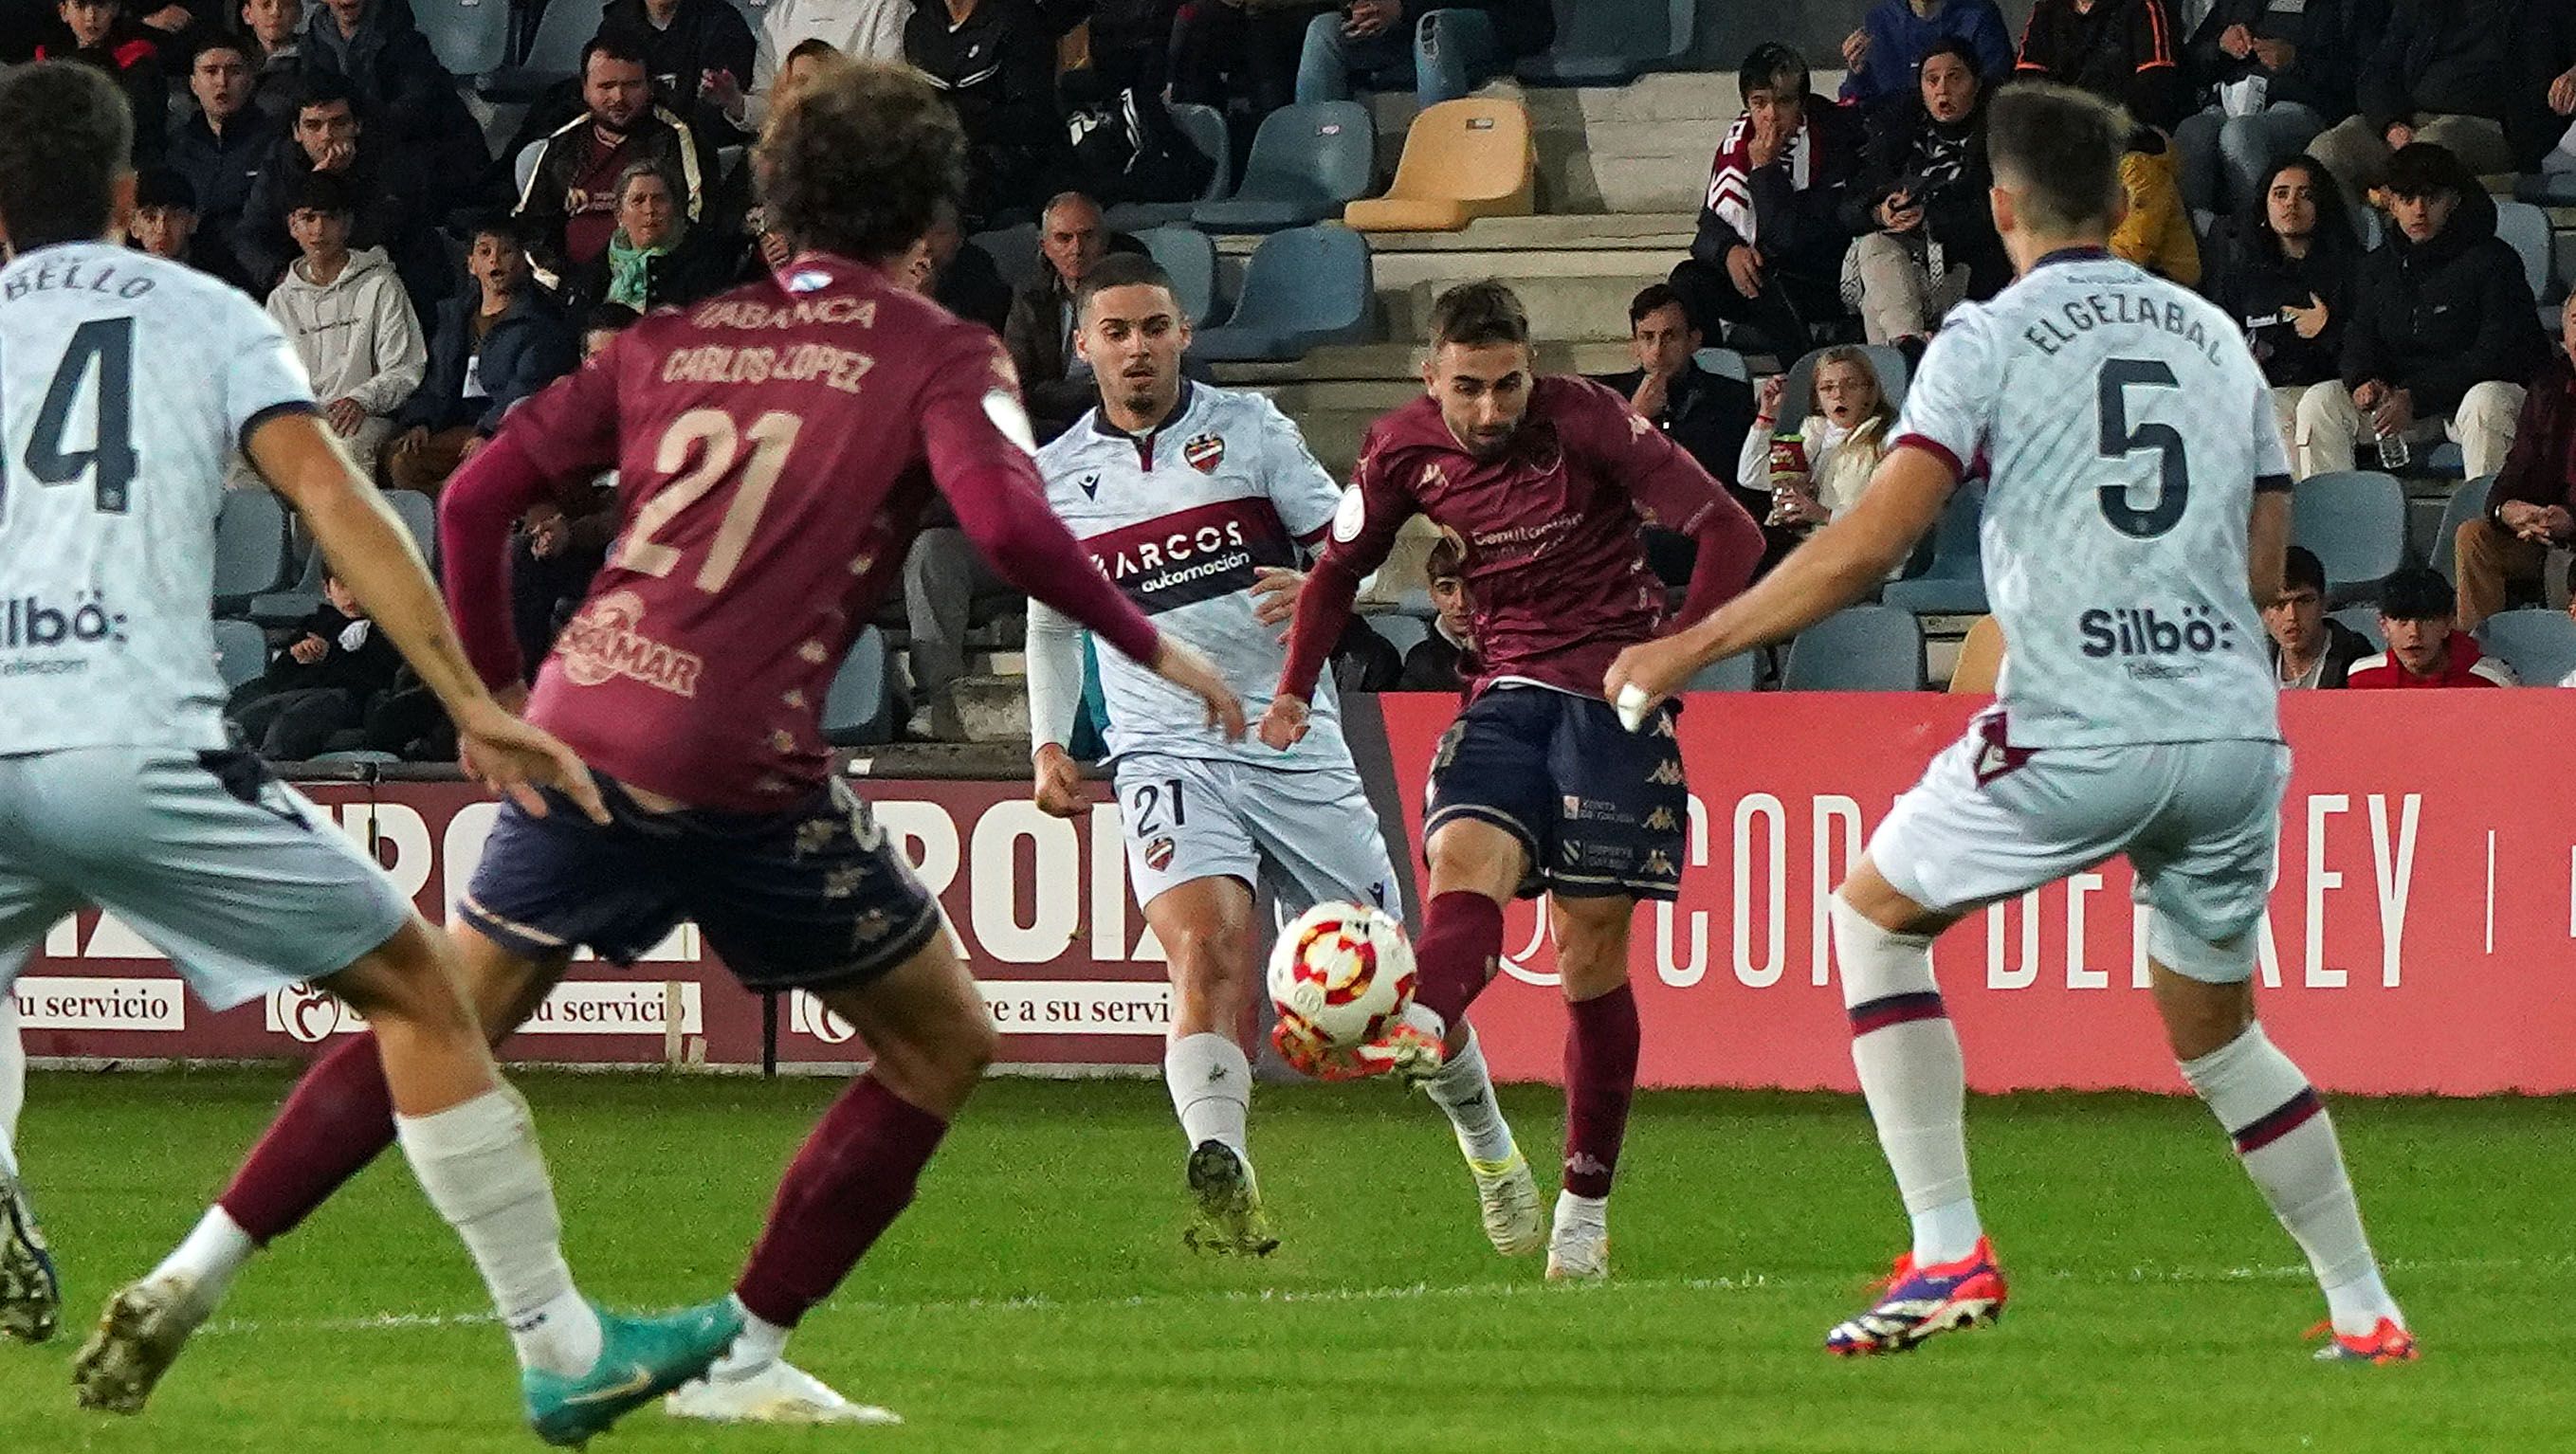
2203, 903
30, 1292
1601, 1044
1488, 803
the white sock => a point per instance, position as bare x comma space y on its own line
1911, 1072
762, 1343
1211, 1085
1572, 1210
1465, 1089
2287, 1142
213, 1251
478, 1162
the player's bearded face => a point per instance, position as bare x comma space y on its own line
1483, 393
1133, 339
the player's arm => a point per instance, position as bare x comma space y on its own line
1303, 493
1672, 490
1055, 700
1363, 531
368, 549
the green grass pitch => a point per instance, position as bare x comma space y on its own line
1037, 1297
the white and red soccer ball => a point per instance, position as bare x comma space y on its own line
1342, 974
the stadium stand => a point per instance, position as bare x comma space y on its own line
1305, 287
2539, 644
1952, 582
860, 709
1858, 649
241, 652
1189, 255
250, 548
1308, 162
1462, 160
2355, 521
1735, 674
2364, 619
1205, 129
471, 37
2468, 502
1613, 42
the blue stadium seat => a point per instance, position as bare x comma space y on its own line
1308, 162
2539, 644
1858, 649
1738, 673
1954, 583
2365, 619
1205, 128
1613, 42
523, 166
419, 515
241, 652
1189, 255
2468, 502
2547, 189
470, 37
250, 548
1797, 391
1303, 288
859, 709
2355, 520
1014, 251
2527, 228
1724, 361
2444, 458
1400, 631
553, 53
286, 607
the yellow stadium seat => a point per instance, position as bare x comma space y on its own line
1981, 660
1462, 160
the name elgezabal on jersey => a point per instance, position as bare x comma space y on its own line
2101, 310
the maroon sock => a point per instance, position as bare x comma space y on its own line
338, 1118
854, 1175
1600, 1078
1462, 939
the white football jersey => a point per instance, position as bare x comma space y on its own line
2124, 428
125, 382
1178, 520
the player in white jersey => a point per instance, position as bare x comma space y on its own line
125, 381
2139, 508
1195, 501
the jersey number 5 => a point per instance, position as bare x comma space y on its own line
718, 443
105, 345
2119, 441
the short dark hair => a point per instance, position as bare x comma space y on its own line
858, 162
1652, 298
323, 192
2421, 168
812, 45
1121, 270
2417, 593
1447, 561
64, 136
2300, 567
1953, 45
609, 318
164, 187
1479, 315
215, 40
2059, 149
497, 224
1768, 65
324, 88
617, 42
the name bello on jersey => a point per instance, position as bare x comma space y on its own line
1192, 555
70, 277
2137, 310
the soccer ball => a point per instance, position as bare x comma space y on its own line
1341, 974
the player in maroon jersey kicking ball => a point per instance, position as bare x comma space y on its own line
1536, 788
775, 448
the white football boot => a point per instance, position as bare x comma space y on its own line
778, 1393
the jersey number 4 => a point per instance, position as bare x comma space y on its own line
2119, 441
104, 347
717, 442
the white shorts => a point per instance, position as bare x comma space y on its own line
1308, 835
223, 868
2197, 820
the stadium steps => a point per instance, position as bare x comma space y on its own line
1642, 147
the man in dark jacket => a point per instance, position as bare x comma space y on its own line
400, 87
272, 33
487, 352
1039, 331
103, 35
569, 207
997, 68
2308, 647
393, 211
2471, 76
1707, 414
2442, 334
2120, 50
2267, 77
684, 42
221, 147
1927, 237
1769, 255
2531, 507
1445, 48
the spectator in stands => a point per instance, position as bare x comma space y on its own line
2120, 50
570, 205
2531, 507
1039, 330
400, 87
2287, 271
962, 276
655, 257
1242, 50
167, 225
2156, 233
1769, 255
1445, 48
1818, 471
2269, 75
2442, 335
1927, 237
1884, 58
2425, 649
272, 33
321, 683
2308, 647
1444, 660
392, 212
2474, 77
995, 62
807, 57
487, 352
863, 30
1707, 414
102, 35
687, 44
348, 318
221, 148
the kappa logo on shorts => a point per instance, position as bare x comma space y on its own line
1158, 854
1662, 821
1667, 774
1659, 863
1205, 453
1573, 806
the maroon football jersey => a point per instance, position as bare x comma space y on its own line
775, 446
1556, 578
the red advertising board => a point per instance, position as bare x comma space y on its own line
2421, 935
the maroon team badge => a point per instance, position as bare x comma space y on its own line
1204, 453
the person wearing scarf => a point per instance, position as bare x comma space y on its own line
654, 259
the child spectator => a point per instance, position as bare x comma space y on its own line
1819, 470
349, 320
488, 352
2308, 647
103, 36
562, 543
1444, 661
320, 684
2424, 648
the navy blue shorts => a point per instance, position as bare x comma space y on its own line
812, 898
1599, 809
